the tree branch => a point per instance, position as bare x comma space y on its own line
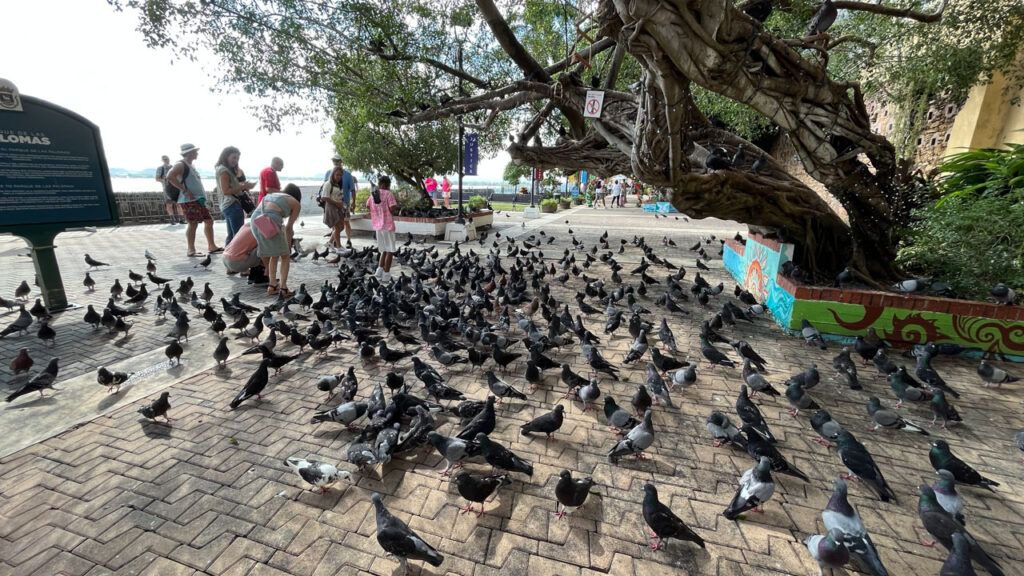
431, 62
890, 11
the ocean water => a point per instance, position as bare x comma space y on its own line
151, 185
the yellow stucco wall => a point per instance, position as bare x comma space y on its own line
987, 119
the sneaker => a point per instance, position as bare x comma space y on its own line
379, 273
385, 278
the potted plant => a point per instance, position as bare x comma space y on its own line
565, 203
478, 203
549, 205
578, 200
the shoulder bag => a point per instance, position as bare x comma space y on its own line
265, 224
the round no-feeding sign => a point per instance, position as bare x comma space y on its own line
593, 104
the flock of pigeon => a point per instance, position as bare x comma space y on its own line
495, 311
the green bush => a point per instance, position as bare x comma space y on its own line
970, 242
549, 202
360, 203
478, 203
983, 173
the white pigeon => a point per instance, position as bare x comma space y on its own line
149, 255
317, 474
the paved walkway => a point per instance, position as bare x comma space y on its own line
118, 494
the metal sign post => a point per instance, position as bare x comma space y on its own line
55, 178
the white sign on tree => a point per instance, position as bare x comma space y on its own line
593, 104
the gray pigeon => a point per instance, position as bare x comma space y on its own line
346, 414
385, 443
941, 525
318, 474
724, 431
453, 450
589, 394
992, 375
828, 550
656, 384
636, 441
959, 561
361, 454
618, 418
811, 335
890, 419
502, 389
947, 496
685, 377
756, 487
395, 537
755, 381
840, 515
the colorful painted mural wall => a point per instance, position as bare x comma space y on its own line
843, 314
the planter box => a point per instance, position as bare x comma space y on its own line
422, 226
843, 314
564, 205
549, 208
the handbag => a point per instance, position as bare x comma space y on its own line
245, 201
265, 224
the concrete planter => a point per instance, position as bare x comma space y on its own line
549, 208
422, 226
842, 315
564, 205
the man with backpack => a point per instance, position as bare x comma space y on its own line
192, 200
170, 192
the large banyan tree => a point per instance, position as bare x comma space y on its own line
683, 79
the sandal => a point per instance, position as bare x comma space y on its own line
216, 250
195, 254
286, 293
272, 290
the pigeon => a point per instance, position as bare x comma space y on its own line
47, 334
89, 283
825, 426
173, 353
1003, 294
751, 416
811, 335
958, 563
637, 349
111, 379
149, 255
809, 378
254, 386
395, 537
663, 522
484, 422
221, 352
22, 362
94, 263
92, 317
929, 376
641, 400
447, 359
453, 450
992, 375
799, 399
656, 384
828, 550
685, 377
845, 367
890, 419
943, 459
714, 355
758, 447
502, 389
501, 357
589, 394
636, 441
756, 487
20, 324
841, 516
883, 364
501, 457
755, 381
618, 418
572, 380
385, 443
548, 423
747, 353
475, 489
947, 496
858, 461
361, 454
907, 393
943, 409
723, 430
941, 525
345, 414
571, 492
158, 407
664, 363
205, 263
665, 335
22, 291
318, 474
910, 285
39, 382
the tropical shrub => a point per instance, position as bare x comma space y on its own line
478, 203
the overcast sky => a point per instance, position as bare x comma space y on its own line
84, 56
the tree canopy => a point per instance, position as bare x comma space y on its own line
683, 79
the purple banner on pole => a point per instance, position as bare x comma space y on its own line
471, 153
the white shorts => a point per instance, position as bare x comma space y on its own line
386, 240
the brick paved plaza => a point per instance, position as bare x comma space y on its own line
89, 486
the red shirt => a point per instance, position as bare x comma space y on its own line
268, 179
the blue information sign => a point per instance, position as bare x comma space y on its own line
52, 169
471, 154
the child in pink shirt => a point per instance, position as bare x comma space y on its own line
382, 207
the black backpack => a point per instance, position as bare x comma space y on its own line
172, 191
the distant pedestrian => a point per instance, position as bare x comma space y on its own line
446, 191
170, 192
430, 185
599, 193
382, 206
336, 163
275, 250
269, 183
616, 191
192, 200
230, 188
337, 204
